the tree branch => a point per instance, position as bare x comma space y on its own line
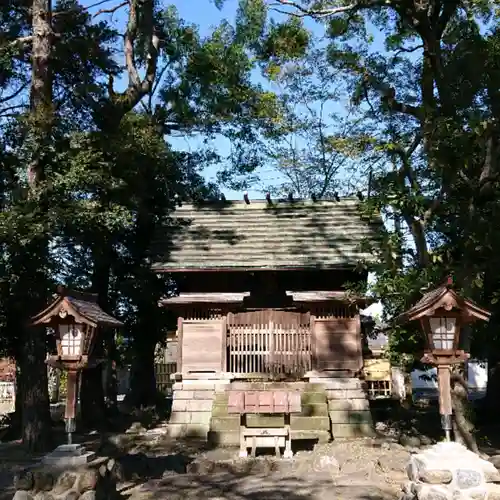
112, 10
388, 94
14, 94
301, 11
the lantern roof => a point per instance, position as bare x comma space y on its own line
444, 297
82, 306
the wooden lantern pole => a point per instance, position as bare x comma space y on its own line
445, 407
71, 398
443, 301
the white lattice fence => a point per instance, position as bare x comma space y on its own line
7, 397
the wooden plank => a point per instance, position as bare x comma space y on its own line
337, 344
201, 346
179, 347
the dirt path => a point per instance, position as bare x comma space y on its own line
351, 470
262, 487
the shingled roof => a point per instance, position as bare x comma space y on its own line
83, 306
234, 235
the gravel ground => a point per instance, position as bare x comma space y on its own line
358, 470
365, 469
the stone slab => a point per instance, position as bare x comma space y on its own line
63, 460
350, 405
351, 417
309, 423
229, 423
352, 430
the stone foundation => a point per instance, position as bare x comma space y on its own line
448, 471
331, 407
90, 483
348, 407
192, 407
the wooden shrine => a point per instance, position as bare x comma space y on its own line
262, 305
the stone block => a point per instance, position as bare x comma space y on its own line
459, 472
314, 410
351, 404
351, 430
298, 422
180, 417
177, 430
492, 477
198, 430
199, 385
63, 457
200, 405
219, 410
336, 394
241, 385
350, 417
308, 398
355, 394
200, 417
179, 405
224, 438
436, 476
260, 420
183, 394
492, 492
221, 398
340, 383
433, 492
208, 394
322, 436
225, 424
195, 431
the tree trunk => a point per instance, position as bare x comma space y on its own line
36, 422
491, 400
463, 426
92, 407
110, 380
142, 375
54, 375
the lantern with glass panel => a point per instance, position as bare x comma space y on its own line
74, 318
444, 316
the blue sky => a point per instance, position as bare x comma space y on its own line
206, 15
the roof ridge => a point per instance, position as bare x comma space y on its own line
278, 202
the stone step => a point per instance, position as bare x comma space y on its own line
343, 394
348, 404
346, 430
351, 417
323, 436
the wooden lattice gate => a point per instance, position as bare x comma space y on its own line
269, 341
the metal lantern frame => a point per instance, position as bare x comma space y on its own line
72, 309
442, 303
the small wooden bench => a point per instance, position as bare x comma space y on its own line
265, 402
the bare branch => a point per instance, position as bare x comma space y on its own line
14, 94
301, 11
8, 111
112, 10
408, 51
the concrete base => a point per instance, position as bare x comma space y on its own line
68, 455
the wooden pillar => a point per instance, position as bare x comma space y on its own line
312, 333
444, 387
71, 394
445, 408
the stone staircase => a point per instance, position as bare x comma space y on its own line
348, 407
